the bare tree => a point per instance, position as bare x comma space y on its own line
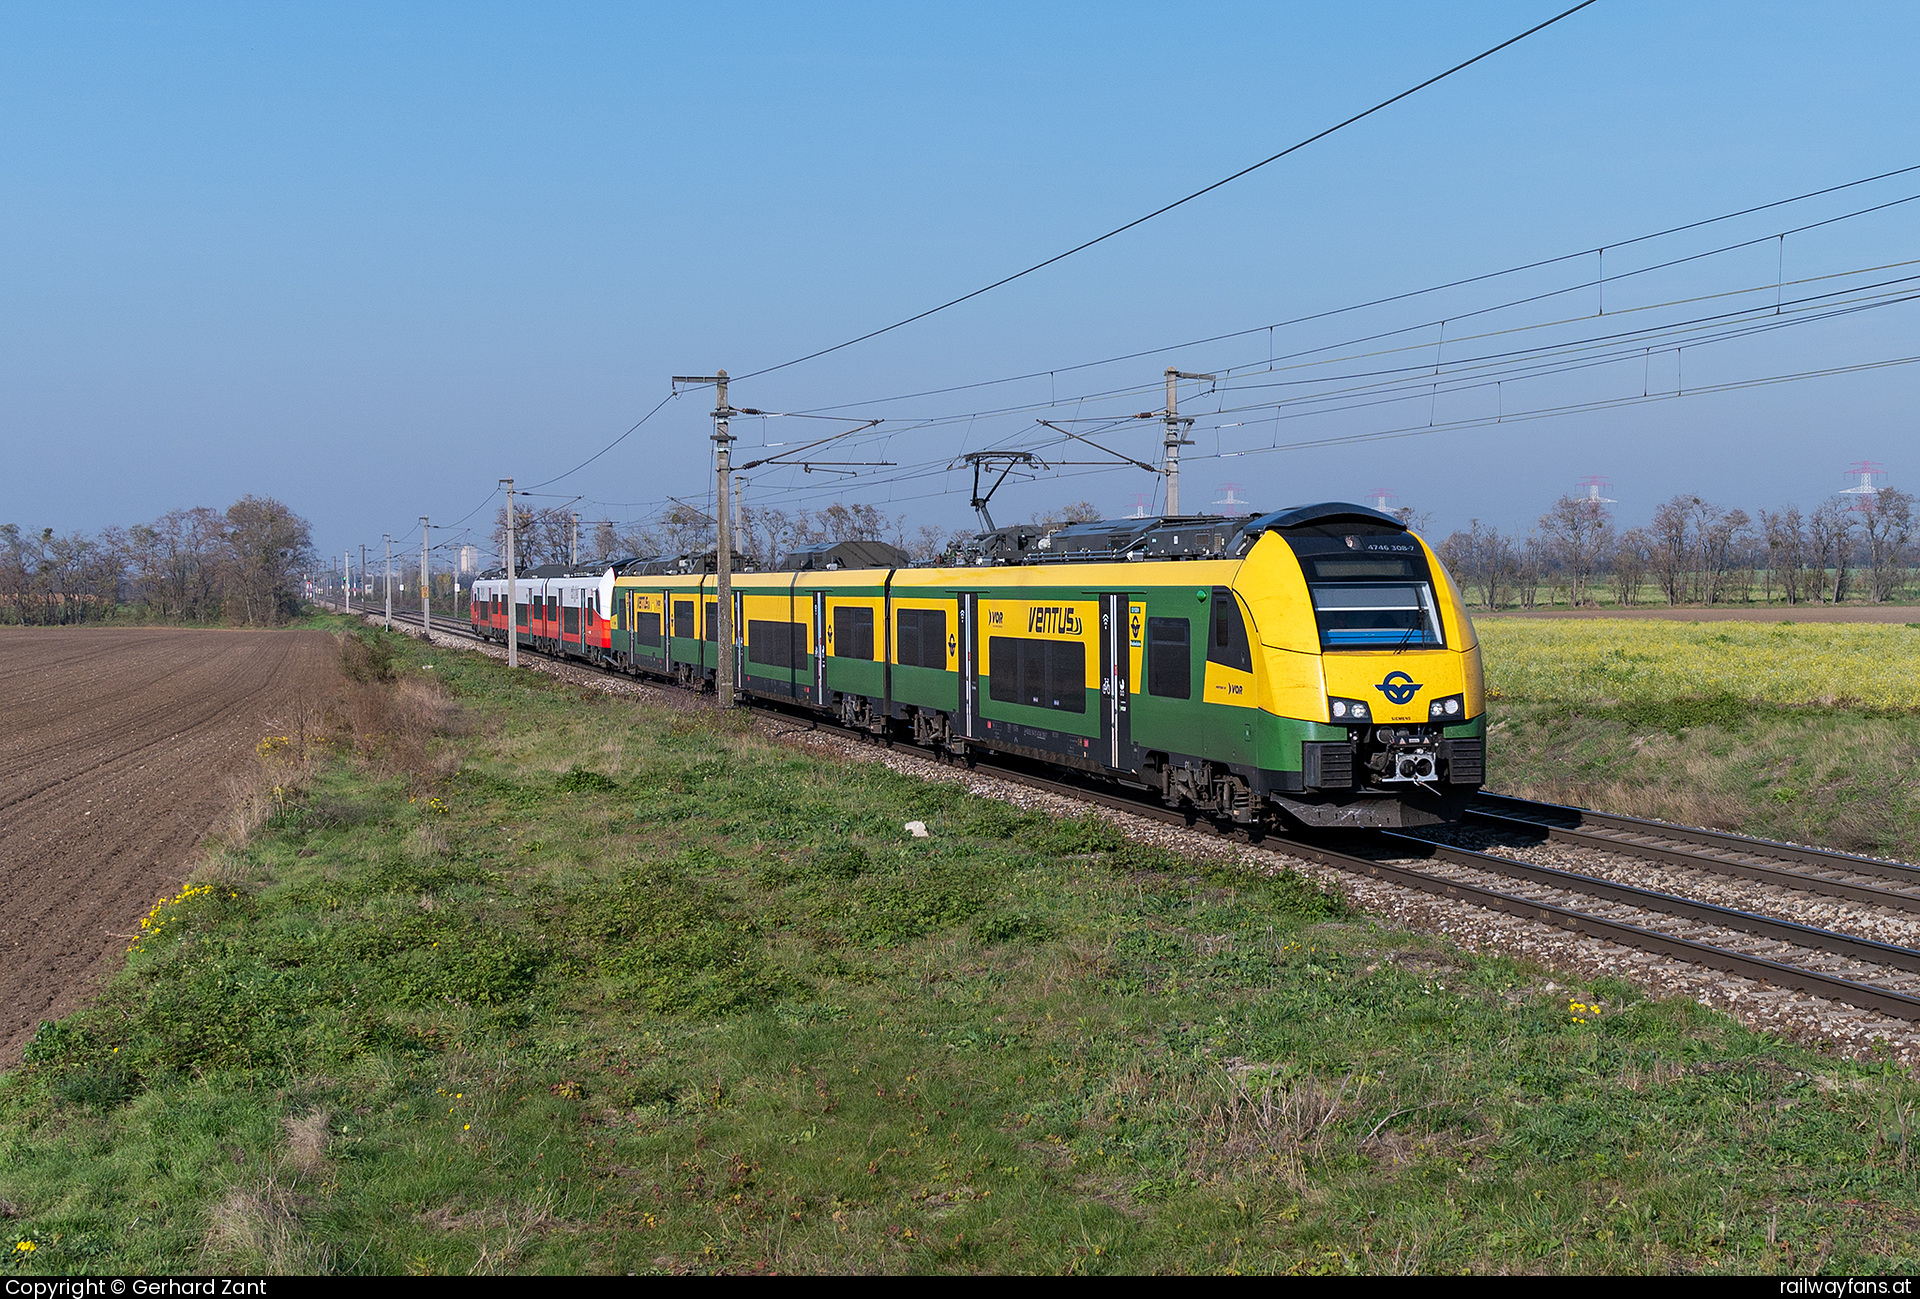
541, 536
769, 534
842, 522
1830, 534
1061, 515
1672, 534
267, 545
1888, 522
1579, 534
1722, 540
686, 530
1530, 560
931, 542
605, 543
1481, 557
1632, 557
1786, 539
1414, 520
611, 541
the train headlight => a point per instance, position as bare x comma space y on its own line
1348, 710
1450, 708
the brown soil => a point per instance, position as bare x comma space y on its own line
114, 757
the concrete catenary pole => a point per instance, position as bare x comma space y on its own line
723, 550
366, 582
513, 585
724, 536
346, 578
426, 591
387, 540
573, 545
1174, 439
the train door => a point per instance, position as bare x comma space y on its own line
1231, 705
969, 666
818, 661
686, 642
739, 647
1115, 684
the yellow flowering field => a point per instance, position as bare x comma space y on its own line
1636, 660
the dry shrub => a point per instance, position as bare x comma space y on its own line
396, 722
308, 1141
366, 656
252, 799
255, 1229
501, 1234
1256, 1122
284, 760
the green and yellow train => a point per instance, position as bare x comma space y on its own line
1314, 665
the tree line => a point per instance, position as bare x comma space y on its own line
241, 565
763, 534
1693, 551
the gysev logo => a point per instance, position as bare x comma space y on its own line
1399, 688
1046, 620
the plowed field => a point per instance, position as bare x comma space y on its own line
115, 748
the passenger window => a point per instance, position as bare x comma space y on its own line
1228, 645
852, 632
1037, 673
1169, 658
777, 644
921, 638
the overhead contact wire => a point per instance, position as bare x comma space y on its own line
1161, 211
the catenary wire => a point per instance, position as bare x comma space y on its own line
1160, 211
1384, 301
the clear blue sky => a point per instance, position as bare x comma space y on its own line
368, 259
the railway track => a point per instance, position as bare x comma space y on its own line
1895, 885
1824, 962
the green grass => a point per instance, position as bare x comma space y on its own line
641, 991
1807, 733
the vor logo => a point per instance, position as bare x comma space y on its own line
1399, 688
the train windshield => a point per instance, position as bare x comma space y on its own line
1376, 615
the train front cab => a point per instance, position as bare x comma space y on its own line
1371, 702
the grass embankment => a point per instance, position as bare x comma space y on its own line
594, 986
1805, 732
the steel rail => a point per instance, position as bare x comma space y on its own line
1758, 872
1546, 815
1865, 949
